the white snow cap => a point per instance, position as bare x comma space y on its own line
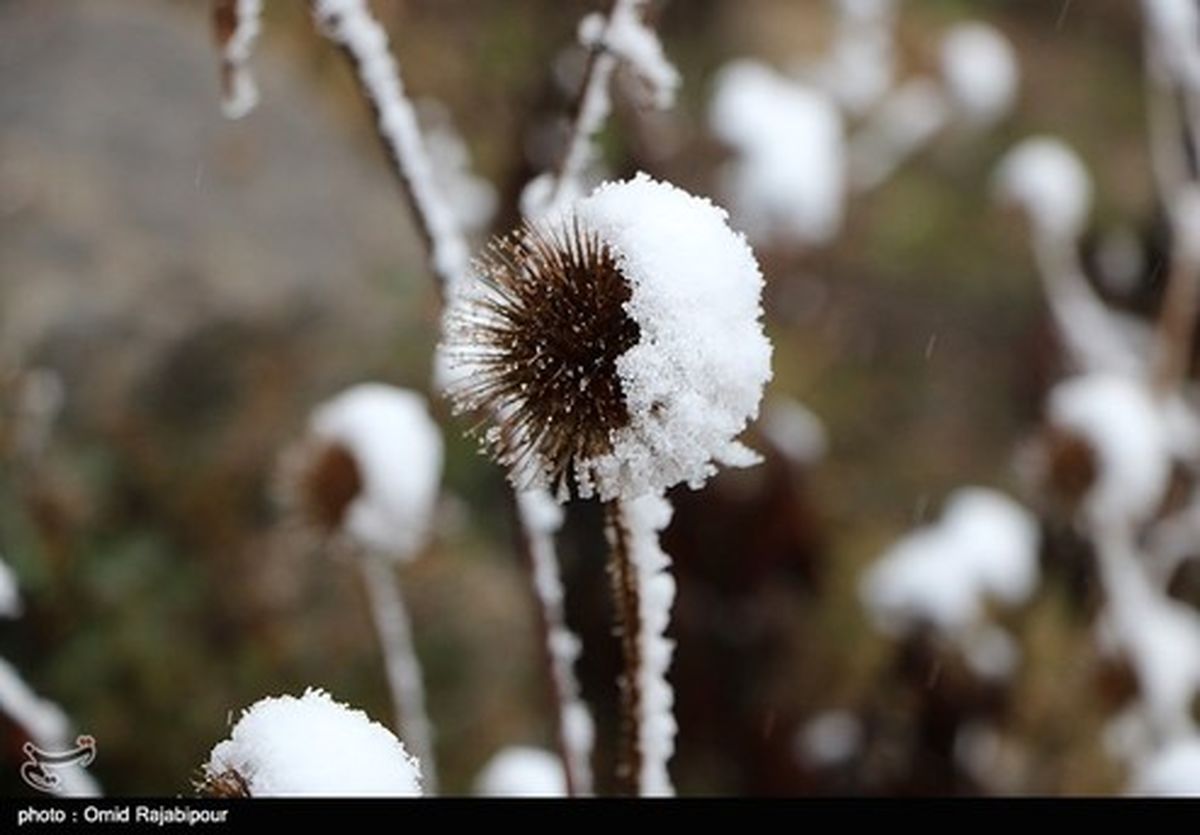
398, 450
984, 547
314, 746
1125, 426
980, 71
1046, 178
1172, 771
788, 179
696, 375
520, 771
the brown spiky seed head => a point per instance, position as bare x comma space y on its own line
538, 346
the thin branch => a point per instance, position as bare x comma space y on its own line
541, 518
364, 42
236, 24
394, 629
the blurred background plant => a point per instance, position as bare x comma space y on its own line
194, 286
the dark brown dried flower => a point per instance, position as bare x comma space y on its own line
224, 785
540, 342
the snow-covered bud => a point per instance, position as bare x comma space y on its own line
617, 349
368, 469
1118, 434
520, 771
980, 71
1046, 179
310, 746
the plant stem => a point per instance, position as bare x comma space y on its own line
627, 608
394, 629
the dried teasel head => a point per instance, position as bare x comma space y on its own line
614, 350
543, 345
223, 785
367, 470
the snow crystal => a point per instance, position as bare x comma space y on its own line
696, 375
1173, 771
520, 771
794, 430
313, 746
10, 593
906, 120
398, 450
830, 739
1049, 181
787, 181
241, 93
980, 71
984, 547
643, 519
1119, 417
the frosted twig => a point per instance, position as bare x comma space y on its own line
1177, 317
46, 725
643, 592
365, 44
236, 24
903, 124
541, 518
400, 661
620, 36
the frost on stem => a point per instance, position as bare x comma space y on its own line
236, 24
643, 590
541, 519
621, 37
364, 41
310, 746
618, 350
787, 181
1046, 179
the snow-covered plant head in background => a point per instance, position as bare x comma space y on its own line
309, 746
616, 350
368, 470
945, 577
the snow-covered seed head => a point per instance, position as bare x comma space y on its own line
309, 746
616, 349
368, 469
